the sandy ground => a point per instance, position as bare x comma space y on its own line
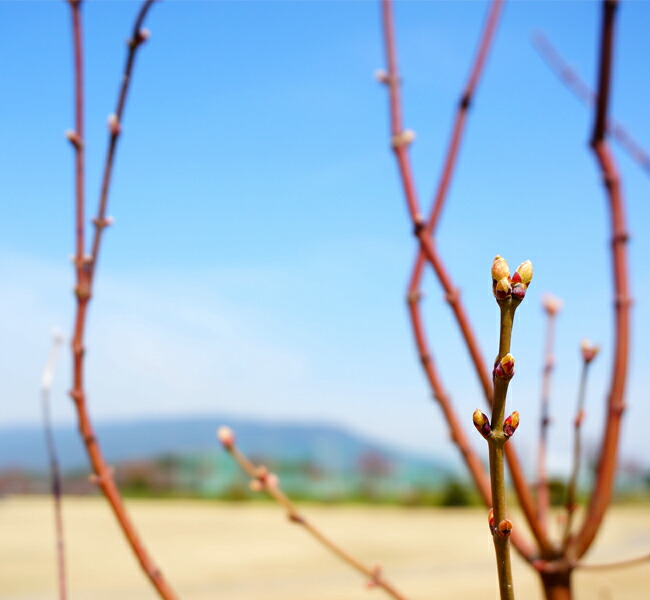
250, 552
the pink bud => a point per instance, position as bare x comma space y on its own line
381, 76
589, 351
272, 481
226, 436
551, 304
403, 138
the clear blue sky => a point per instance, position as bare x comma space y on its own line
261, 249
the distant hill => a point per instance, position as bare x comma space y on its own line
329, 447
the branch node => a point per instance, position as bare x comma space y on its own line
82, 291
77, 395
103, 478
294, 517
414, 297
622, 301
465, 101
452, 297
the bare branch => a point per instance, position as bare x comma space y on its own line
85, 270
582, 91
263, 480
55, 475
602, 491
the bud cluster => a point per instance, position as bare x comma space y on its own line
506, 286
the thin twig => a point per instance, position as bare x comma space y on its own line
583, 92
85, 270
55, 475
268, 482
572, 486
602, 491
551, 307
427, 252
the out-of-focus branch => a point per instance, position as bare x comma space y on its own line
427, 252
588, 354
263, 480
580, 89
602, 491
55, 476
85, 270
615, 564
551, 306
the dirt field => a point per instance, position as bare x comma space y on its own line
243, 552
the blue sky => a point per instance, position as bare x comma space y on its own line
261, 249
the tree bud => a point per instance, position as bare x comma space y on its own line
505, 527
226, 436
524, 273
403, 138
510, 424
500, 269
519, 291
551, 304
589, 351
482, 423
502, 289
505, 368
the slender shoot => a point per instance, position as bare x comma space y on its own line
264, 480
55, 474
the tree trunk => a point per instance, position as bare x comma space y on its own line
557, 586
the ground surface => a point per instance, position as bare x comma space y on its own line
250, 552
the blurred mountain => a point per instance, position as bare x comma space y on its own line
327, 447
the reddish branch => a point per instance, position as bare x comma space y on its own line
580, 89
85, 270
263, 480
602, 491
55, 476
428, 253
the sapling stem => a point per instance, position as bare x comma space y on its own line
509, 292
496, 442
